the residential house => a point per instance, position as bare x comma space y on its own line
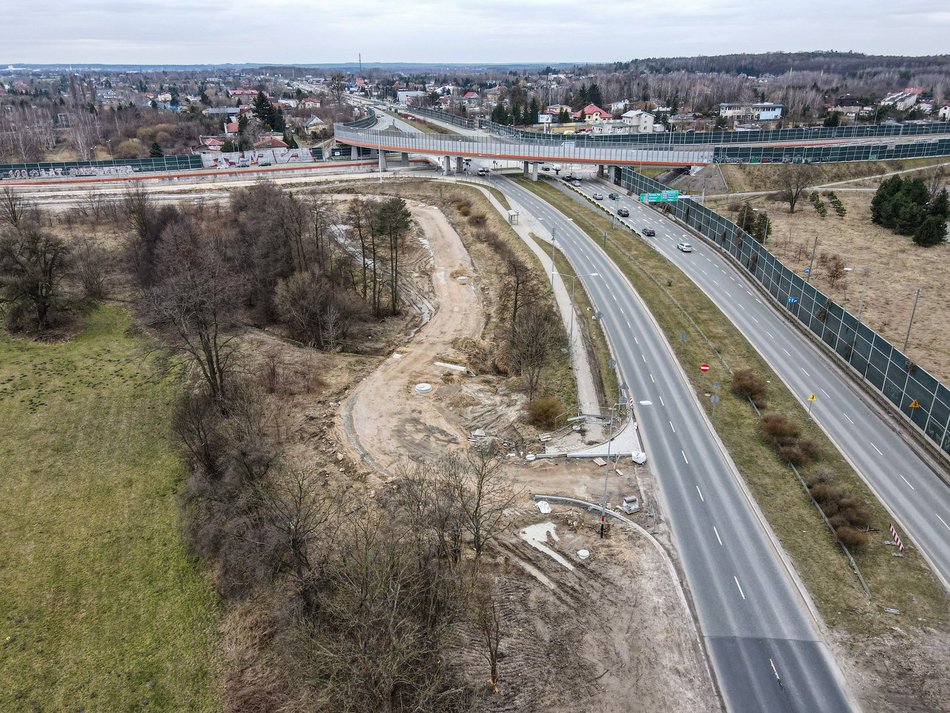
315, 125
471, 99
309, 103
944, 112
242, 93
902, 101
639, 121
592, 114
620, 106
271, 142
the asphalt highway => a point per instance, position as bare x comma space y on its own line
901, 479
762, 640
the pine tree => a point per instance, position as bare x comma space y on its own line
940, 205
932, 231
746, 219
155, 150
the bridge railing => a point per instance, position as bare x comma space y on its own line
742, 137
888, 370
444, 116
364, 123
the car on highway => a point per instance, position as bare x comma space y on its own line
684, 247
649, 232
623, 212
483, 172
613, 196
598, 196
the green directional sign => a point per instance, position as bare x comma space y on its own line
664, 197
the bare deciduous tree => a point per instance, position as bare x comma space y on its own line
533, 337
194, 301
33, 264
793, 179
488, 624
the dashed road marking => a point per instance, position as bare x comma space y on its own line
700, 494
906, 481
876, 448
738, 586
717, 536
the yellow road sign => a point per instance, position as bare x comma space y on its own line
812, 397
914, 404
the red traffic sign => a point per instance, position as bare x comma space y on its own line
704, 368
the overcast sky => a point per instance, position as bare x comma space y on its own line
444, 31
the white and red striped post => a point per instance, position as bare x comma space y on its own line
896, 539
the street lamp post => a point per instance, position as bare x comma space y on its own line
570, 338
603, 503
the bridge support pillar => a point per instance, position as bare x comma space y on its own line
354, 153
446, 165
617, 171
459, 164
405, 158
525, 169
600, 170
534, 171
382, 160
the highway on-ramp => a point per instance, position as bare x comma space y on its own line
907, 485
763, 643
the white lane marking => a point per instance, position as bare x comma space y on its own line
703, 271
824, 392
671, 427
684, 456
906, 481
635, 340
786, 351
774, 670
652, 379
621, 311
803, 370
700, 494
847, 417
738, 586
742, 306
661, 402
644, 359
876, 448
770, 334
755, 320
717, 536
716, 282
943, 521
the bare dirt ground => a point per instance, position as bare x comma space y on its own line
897, 267
419, 426
610, 634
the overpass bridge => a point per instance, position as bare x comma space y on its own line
532, 153
676, 149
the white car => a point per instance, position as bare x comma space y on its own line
684, 247
598, 196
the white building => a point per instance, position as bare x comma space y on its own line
760, 111
902, 101
404, 95
641, 121
944, 113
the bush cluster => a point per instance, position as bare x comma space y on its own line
839, 208
746, 385
785, 437
848, 517
907, 207
544, 412
819, 204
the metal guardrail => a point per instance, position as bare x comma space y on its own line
839, 152
454, 119
364, 123
888, 370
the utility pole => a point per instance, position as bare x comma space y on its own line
911, 323
811, 265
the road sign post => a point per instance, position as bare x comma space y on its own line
811, 399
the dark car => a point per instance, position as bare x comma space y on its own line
623, 212
649, 232
613, 196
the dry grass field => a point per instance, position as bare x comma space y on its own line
896, 267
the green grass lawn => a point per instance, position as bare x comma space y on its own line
102, 609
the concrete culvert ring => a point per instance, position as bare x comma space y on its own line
423, 388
